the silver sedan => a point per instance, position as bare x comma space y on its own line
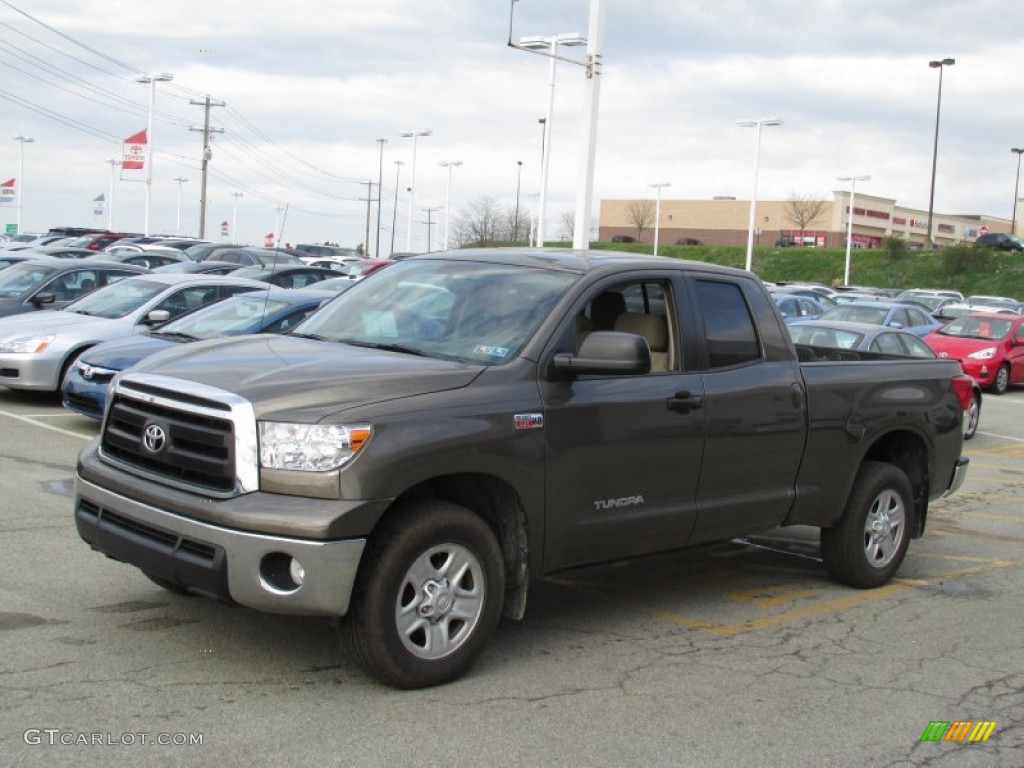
37, 349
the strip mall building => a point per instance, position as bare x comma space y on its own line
726, 222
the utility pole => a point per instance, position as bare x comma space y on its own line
207, 154
380, 192
394, 213
429, 222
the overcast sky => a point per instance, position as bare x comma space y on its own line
310, 85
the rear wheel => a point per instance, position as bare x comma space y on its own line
428, 596
868, 545
1002, 380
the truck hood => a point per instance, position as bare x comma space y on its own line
288, 378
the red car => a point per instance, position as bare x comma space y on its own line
989, 346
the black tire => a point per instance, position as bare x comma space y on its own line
395, 630
869, 543
1001, 382
170, 586
972, 416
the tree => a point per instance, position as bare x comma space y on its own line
483, 223
568, 225
641, 215
803, 211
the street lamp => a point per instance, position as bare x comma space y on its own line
110, 208
380, 190
414, 135
519, 180
849, 221
1016, 186
758, 123
151, 80
394, 209
657, 211
551, 44
234, 217
451, 165
23, 140
939, 65
181, 180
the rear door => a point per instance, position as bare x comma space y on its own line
754, 412
623, 452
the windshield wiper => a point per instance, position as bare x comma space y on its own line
175, 335
387, 347
313, 336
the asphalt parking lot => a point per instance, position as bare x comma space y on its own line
738, 654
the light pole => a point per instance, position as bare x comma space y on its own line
758, 123
451, 165
939, 65
519, 183
849, 221
394, 208
657, 211
22, 140
551, 44
414, 135
380, 191
234, 217
181, 180
151, 80
110, 209
1016, 187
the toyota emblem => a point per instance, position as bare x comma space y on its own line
154, 438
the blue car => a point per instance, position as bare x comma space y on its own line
909, 317
793, 307
276, 310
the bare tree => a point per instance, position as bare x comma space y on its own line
803, 210
641, 215
482, 223
568, 225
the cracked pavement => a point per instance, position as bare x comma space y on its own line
741, 653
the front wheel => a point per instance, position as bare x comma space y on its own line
1002, 380
869, 543
972, 416
428, 596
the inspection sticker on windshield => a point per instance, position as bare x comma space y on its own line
491, 351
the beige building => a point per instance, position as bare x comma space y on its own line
821, 223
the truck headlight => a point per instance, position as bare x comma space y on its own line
309, 447
983, 354
27, 344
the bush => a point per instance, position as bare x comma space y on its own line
895, 248
961, 259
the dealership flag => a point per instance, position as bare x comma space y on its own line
8, 193
97, 204
134, 153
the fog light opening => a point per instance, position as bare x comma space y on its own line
281, 573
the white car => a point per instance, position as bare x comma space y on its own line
37, 349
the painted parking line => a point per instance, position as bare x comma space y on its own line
773, 596
34, 422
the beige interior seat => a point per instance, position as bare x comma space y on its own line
655, 330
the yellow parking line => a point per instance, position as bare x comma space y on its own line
795, 614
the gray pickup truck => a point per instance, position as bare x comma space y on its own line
458, 424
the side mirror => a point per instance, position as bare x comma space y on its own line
43, 298
156, 317
607, 352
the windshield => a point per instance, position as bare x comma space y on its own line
116, 300
18, 279
970, 327
870, 315
472, 312
230, 317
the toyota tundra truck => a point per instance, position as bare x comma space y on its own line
420, 449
